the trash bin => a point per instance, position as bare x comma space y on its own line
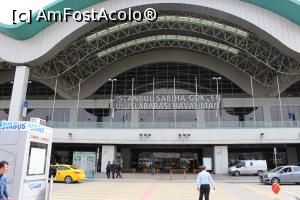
90, 174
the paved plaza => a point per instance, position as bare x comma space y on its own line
164, 187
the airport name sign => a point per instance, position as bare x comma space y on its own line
168, 102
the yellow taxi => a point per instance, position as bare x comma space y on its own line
68, 173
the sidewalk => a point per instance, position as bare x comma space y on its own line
176, 177
159, 187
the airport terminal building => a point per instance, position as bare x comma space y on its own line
217, 79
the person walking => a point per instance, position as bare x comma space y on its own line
204, 180
113, 169
108, 169
118, 170
52, 171
3, 185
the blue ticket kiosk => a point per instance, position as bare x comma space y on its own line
27, 148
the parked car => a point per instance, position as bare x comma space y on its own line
68, 173
248, 167
282, 174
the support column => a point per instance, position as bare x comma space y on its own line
298, 154
126, 157
109, 153
221, 159
292, 157
135, 119
73, 116
267, 115
18, 93
200, 118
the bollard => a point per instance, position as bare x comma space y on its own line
171, 175
50, 188
184, 174
276, 189
153, 171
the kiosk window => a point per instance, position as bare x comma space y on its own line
37, 159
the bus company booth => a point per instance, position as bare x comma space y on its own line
26, 146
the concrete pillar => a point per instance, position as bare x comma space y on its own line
200, 118
298, 154
135, 118
221, 159
292, 156
126, 154
73, 116
267, 114
109, 153
18, 94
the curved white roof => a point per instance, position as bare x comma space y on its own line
274, 28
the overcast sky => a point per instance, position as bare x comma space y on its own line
7, 7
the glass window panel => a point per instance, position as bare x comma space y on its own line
164, 74
146, 115
186, 116
60, 114
4, 114
121, 116
289, 113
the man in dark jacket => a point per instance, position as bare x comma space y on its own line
3, 185
113, 169
118, 170
108, 169
52, 171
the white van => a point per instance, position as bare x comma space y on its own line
249, 167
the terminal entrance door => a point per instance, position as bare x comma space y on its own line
165, 160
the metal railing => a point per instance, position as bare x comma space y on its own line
179, 125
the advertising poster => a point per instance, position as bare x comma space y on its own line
37, 161
208, 163
85, 160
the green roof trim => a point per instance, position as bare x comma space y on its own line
289, 9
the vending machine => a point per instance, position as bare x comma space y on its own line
26, 146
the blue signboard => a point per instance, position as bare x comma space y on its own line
21, 126
25, 106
